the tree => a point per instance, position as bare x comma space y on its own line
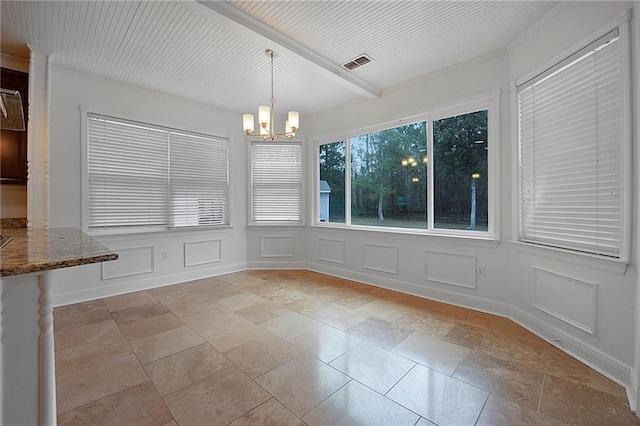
459, 153
332, 169
377, 172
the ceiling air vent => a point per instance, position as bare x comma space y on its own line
358, 62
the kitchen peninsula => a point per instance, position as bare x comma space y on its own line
27, 358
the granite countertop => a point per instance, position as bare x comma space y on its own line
36, 250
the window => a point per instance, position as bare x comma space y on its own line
276, 182
431, 175
571, 135
142, 176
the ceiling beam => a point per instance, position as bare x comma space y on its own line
256, 30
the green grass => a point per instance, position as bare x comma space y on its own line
406, 223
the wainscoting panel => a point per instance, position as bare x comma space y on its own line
131, 261
380, 258
276, 246
451, 268
202, 252
331, 250
569, 299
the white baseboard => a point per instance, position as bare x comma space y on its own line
631, 391
143, 284
292, 264
422, 290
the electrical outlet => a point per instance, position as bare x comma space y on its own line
165, 255
481, 271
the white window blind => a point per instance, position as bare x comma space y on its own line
146, 176
276, 182
570, 120
199, 180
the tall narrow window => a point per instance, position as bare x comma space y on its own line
143, 176
332, 182
276, 182
460, 172
571, 152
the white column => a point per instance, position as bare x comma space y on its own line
38, 137
46, 355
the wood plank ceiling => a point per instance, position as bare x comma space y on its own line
212, 52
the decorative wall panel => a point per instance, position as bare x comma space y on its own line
380, 258
131, 261
451, 268
276, 246
331, 250
202, 252
569, 299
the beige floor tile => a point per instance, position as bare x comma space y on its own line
302, 383
510, 328
124, 301
137, 313
355, 404
581, 405
375, 367
186, 303
425, 422
184, 368
258, 356
500, 412
432, 352
478, 339
384, 309
426, 322
138, 405
210, 319
438, 397
380, 332
92, 353
325, 343
562, 365
290, 326
269, 413
502, 378
262, 288
73, 316
466, 316
340, 317
173, 423
241, 278
146, 327
240, 301
81, 387
283, 296
262, 312
601, 383
164, 344
231, 334
86, 334
216, 400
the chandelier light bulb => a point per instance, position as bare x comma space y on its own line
247, 120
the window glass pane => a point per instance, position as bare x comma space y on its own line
331, 185
460, 193
388, 177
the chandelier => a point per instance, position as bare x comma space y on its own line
266, 115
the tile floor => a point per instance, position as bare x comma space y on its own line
297, 347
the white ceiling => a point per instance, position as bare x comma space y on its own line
212, 52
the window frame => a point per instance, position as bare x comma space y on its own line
489, 101
598, 261
296, 224
85, 113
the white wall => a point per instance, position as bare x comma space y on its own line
189, 254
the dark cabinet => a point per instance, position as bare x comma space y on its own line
13, 143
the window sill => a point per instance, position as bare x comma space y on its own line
614, 266
156, 233
462, 239
275, 225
